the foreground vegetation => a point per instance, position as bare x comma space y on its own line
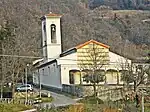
17, 104
87, 104
20, 22
13, 107
90, 104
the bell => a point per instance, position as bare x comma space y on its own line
53, 28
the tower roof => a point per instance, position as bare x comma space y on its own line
51, 15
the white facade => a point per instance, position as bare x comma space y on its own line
57, 73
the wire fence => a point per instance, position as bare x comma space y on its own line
17, 101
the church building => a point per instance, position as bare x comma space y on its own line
58, 68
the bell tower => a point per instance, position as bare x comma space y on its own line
51, 36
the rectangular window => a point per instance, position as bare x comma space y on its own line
42, 71
49, 70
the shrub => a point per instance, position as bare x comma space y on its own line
110, 110
79, 107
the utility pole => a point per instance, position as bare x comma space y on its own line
26, 81
39, 83
142, 101
1, 69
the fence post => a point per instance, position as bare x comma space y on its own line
142, 102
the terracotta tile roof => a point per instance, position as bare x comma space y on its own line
92, 41
53, 15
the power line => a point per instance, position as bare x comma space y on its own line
18, 56
34, 57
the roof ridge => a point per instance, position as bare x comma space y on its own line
94, 41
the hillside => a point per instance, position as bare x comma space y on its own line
121, 4
123, 30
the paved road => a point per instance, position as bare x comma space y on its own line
59, 100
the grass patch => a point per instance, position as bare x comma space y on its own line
47, 99
13, 107
34, 96
44, 99
91, 100
58, 109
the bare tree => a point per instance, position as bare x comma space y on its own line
135, 74
92, 58
5, 32
13, 68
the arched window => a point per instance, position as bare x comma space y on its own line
53, 33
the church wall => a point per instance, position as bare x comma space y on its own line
50, 75
67, 63
118, 60
65, 74
69, 59
65, 68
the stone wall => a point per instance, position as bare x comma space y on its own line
105, 93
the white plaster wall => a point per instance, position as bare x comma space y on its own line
53, 51
69, 59
116, 60
67, 63
65, 72
51, 76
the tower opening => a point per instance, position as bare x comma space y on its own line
53, 33
44, 29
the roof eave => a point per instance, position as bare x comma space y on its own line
92, 41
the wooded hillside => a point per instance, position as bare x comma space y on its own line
124, 30
121, 4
